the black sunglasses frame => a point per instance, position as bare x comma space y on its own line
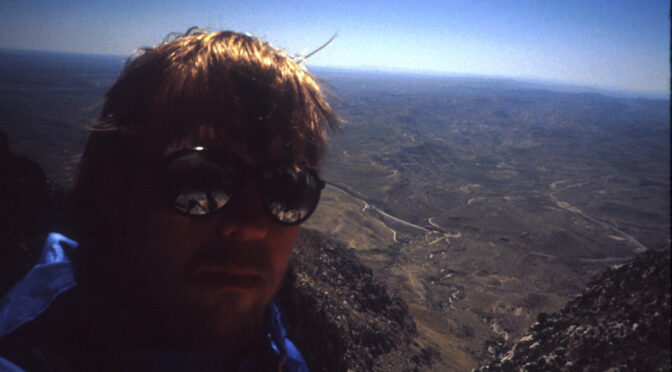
223, 158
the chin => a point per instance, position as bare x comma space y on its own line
229, 319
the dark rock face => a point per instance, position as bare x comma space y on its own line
621, 322
340, 317
27, 204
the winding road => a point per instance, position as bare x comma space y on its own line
606, 259
566, 206
445, 234
434, 228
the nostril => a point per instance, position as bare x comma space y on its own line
244, 219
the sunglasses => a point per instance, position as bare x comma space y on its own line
200, 181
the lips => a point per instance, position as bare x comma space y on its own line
227, 278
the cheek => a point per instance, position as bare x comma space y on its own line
170, 241
282, 240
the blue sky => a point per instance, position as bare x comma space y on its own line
606, 44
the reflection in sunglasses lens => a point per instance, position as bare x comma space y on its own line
200, 203
198, 185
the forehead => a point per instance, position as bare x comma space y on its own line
254, 150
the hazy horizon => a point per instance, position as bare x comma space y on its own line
524, 82
619, 45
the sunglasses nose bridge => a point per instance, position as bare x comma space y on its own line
245, 219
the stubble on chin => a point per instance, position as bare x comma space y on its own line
226, 322
235, 323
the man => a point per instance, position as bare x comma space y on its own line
189, 198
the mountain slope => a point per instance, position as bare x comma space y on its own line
341, 318
620, 322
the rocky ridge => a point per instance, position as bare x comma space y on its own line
621, 322
28, 203
341, 317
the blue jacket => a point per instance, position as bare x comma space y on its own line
54, 276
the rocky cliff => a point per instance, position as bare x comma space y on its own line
341, 317
28, 200
621, 322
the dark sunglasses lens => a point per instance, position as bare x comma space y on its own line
291, 194
197, 186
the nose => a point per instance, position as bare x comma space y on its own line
245, 219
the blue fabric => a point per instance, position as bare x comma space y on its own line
7, 366
54, 274
280, 343
294, 361
32, 295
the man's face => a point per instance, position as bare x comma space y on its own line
214, 275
